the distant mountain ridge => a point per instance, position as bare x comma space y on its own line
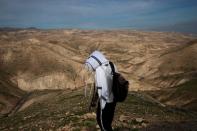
16, 28
184, 27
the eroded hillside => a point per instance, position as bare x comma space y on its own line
53, 59
163, 65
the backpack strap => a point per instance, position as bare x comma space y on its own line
96, 59
112, 67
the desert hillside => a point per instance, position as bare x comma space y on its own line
53, 59
160, 65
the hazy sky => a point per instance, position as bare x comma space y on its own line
98, 14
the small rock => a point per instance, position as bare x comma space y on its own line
123, 118
139, 120
77, 116
89, 116
144, 125
66, 128
97, 127
67, 113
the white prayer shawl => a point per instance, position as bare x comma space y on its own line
103, 77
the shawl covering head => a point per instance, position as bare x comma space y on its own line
95, 60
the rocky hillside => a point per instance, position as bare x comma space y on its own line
64, 110
161, 65
53, 59
10, 94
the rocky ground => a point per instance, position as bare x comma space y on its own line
68, 110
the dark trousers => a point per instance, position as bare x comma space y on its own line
105, 118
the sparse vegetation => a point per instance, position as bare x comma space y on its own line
70, 108
190, 86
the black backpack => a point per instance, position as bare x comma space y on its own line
120, 85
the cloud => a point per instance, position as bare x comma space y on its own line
96, 13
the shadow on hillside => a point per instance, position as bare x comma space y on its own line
164, 126
10, 94
172, 126
183, 96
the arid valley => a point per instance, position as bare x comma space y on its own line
42, 79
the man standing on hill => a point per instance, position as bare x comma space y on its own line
103, 82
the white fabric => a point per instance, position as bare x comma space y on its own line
104, 80
92, 63
103, 77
